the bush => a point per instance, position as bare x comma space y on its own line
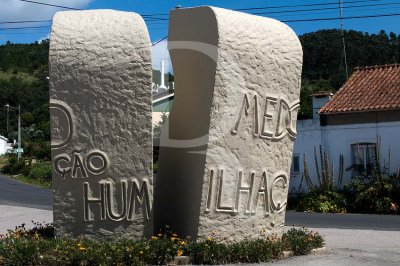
40, 171
322, 201
301, 242
379, 195
37, 247
13, 166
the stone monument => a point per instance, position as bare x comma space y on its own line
100, 107
226, 151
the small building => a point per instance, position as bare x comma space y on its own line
349, 124
163, 98
3, 145
162, 105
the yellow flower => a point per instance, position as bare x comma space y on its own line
174, 235
141, 252
179, 253
154, 238
209, 238
82, 248
173, 238
160, 235
183, 243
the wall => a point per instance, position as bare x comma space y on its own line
337, 140
3, 146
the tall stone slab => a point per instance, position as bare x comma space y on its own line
226, 152
100, 107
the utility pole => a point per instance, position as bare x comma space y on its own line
19, 132
343, 41
19, 127
8, 119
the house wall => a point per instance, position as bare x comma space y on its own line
3, 146
317, 104
336, 140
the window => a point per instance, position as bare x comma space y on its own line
363, 157
296, 163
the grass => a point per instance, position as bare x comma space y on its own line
22, 75
36, 182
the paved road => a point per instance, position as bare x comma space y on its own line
15, 193
352, 247
344, 221
11, 216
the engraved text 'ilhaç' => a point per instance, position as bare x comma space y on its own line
256, 193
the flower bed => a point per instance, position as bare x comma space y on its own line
37, 246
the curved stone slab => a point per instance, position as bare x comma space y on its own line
226, 153
100, 107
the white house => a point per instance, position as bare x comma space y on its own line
367, 106
3, 145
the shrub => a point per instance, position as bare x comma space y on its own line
39, 171
13, 166
322, 201
378, 195
301, 242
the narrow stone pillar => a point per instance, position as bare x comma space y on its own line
226, 154
100, 108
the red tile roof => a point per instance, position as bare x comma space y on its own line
373, 88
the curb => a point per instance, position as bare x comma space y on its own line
180, 260
288, 254
185, 260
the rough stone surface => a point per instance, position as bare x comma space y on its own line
226, 153
100, 106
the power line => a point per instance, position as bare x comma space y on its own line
18, 28
25, 21
24, 33
46, 4
280, 17
343, 40
315, 4
151, 16
294, 20
157, 42
337, 18
73, 8
277, 7
319, 9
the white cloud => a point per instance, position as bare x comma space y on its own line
160, 52
44, 38
15, 10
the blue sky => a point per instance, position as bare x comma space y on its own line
17, 10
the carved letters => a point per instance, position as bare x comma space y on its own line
257, 192
277, 118
132, 199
